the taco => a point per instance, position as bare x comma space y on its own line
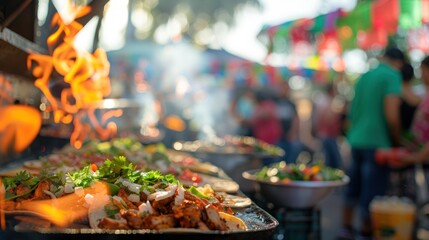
165, 208
129, 199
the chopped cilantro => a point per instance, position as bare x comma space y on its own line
110, 172
23, 177
120, 167
82, 178
113, 169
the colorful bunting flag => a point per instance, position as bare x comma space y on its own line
367, 26
328, 44
325, 23
410, 14
349, 24
425, 11
318, 24
299, 31
347, 37
384, 15
373, 39
331, 20
358, 19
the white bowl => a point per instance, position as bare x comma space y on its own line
295, 194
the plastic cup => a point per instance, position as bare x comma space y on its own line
392, 218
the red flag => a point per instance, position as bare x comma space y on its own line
299, 32
329, 44
425, 11
385, 15
373, 39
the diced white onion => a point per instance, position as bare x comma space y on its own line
79, 191
154, 195
68, 187
149, 207
134, 198
163, 194
133, 187
142, 207
180, 196
89, 199
145, 208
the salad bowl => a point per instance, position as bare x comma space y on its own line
294, 194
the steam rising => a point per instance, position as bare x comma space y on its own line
180, 88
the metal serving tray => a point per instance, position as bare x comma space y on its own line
261, 225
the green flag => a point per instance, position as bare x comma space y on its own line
410, 14
318, 24
358, 19
348, 26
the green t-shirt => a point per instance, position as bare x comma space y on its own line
368, 122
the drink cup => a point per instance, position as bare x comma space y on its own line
392, 218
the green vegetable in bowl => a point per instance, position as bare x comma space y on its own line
282, 172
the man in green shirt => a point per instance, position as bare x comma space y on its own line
374, 119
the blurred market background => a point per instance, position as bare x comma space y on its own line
206, 54
182, 69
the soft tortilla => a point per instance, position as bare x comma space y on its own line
232, 222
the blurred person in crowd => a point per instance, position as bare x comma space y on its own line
374, 123
420, 124
286, 111
266, 124
327, 125
242, 110
409, 100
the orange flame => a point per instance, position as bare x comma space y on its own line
111, 128
65, 210
87, 77
19, 125
175, 123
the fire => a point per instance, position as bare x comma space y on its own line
65, 210
19, 125
86, 76
175, 123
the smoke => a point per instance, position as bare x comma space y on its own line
198, 98
210, 114
172, 82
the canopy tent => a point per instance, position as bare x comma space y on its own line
368, 26
238, 72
